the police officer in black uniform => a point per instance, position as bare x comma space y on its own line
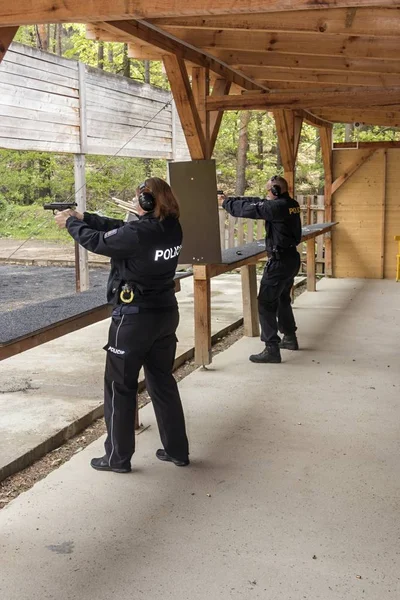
283, 233
144, 256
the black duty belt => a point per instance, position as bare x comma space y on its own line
278, 253
129, 309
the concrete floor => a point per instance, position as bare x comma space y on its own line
53, 386
293, 491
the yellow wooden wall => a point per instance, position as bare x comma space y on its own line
367, 207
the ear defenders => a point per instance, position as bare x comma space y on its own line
146, 199
275, 189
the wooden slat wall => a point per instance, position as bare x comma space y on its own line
357, 206
39, 101
39, 110
392, 216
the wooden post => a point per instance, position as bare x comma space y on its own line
201, 89
383, 236
81, 258
81, 261
250, 305
202, 315
288, 129
6, 37
311, 280
326, 150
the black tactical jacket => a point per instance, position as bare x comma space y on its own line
143, 252
281, 215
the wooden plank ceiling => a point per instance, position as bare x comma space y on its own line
296, 54
341, 64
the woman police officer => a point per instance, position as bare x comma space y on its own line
144, 256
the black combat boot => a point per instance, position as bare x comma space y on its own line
102, 464
289, 342
270, 354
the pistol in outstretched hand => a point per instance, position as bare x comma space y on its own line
59, 206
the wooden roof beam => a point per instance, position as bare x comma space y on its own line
345, 97
169, 44
373, 21
6, 37
344, 64
28, 12
300, 43
362, 116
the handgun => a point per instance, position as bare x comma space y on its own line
59, 206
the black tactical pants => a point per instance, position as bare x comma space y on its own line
145, 339
274, 302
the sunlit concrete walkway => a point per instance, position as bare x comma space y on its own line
293, 491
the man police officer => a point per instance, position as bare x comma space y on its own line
144, 256
283, 233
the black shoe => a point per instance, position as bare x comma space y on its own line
101, 464
289, 342
162, 455
268, 355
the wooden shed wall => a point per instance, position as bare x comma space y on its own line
367, 207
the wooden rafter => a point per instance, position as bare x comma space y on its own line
26, 12
166, 42
186, 106
201, 89
342, 64
344, 97
363, 116
300, 43
320, 78
288, 128
372, 21
6, 37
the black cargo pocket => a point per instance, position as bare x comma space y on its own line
115, 364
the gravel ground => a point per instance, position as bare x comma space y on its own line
34, 284
22, 285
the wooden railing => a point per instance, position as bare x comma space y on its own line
236, 232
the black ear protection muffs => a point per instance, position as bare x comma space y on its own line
275, 189
146, 199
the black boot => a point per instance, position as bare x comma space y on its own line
270, 354
289, 342
162, 455
102, 464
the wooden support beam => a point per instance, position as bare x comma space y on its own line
363, 116
201, 90
288, 128
26, 12
312, 119
345, 97
352, 169
342, 64
250, 305
315, 78
311, 279
325, 134
186, 105
202, 315
6, 37
166, 42
383, 217
290, 43
373, 21
221, 87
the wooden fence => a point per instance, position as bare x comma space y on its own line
235, 232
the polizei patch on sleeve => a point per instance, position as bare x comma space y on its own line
168, 253
110, 233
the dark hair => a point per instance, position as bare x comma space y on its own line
166, 203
